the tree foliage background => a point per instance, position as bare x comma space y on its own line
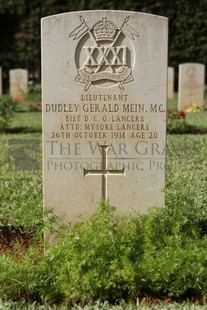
20, 28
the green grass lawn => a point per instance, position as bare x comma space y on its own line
98, 257
20, 190
197, 121
27, 121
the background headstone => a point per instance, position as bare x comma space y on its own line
191, 85
170, 83
104, 79
18, 84
1, 82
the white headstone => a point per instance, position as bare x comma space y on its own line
191, 86
104, 110
18, 84
170, 83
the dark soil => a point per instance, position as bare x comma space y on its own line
12, 238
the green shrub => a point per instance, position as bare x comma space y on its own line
109, 257
176, 122
34, 93
7, 109
95, 260
176, 270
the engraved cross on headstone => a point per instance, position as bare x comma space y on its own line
191, 96
104, 172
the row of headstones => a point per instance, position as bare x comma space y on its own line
191, 84
190, 87
18, 84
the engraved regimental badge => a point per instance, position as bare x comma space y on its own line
104, 55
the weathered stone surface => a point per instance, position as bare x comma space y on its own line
191, 86
18, 84
104, 84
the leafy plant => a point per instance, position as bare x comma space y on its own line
176, 122
34, 93
7, 109
99, 258
111, 257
